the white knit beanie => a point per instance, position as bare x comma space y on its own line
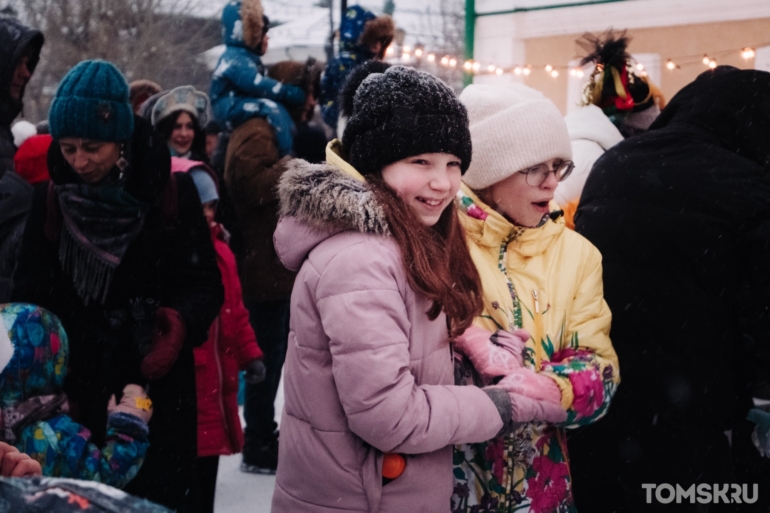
513, 127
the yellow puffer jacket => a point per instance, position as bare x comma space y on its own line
547, 280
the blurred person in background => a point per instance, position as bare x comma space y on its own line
140, 91
619, 101
212, 131
254, 166
240, 90
19, 54
363, 37
179, 117
231, 345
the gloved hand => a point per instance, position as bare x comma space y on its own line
134, 401
255, 372
761, 434
170, 332
533, 397
17, 464
492, 355
292, 94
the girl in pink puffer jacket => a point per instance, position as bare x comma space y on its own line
385, 279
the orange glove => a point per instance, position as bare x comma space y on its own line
134, 402
17, 464
170, 332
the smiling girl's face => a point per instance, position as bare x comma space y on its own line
92, 160
183, 134
428, 183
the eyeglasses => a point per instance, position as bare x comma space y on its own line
538, 174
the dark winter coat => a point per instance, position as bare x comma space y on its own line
231, 344
252, 172
15, 193
7, 148
172, 264
15, 39
352, 54
681, 215
253, 167
15, 198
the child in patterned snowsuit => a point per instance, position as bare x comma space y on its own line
240, 90
35, 416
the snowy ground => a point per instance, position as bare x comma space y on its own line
238, 492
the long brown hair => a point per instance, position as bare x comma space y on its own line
436, 258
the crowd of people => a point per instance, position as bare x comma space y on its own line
451, 285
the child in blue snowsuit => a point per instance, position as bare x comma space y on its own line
363, 36
240, 90
34, 351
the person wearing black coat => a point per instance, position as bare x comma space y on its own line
681, 215
19, 53
126, 262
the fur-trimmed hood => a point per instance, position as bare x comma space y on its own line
317, 202
242, 23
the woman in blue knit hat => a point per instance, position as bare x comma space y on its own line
121, 253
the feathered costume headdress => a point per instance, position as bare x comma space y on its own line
613, 85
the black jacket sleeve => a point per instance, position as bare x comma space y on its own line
33, 280
754, 246
192, 278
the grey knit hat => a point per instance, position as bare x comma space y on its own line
404, 112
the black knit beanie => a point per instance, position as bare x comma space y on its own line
404, 112
353, 82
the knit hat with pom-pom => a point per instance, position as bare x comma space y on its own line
22, 130
401, 113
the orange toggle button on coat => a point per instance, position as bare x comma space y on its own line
393, 466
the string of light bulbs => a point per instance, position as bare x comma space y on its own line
409, 54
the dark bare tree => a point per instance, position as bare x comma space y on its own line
158, 40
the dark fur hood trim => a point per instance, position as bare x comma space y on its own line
325, 198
